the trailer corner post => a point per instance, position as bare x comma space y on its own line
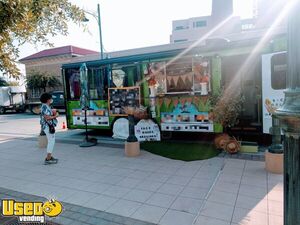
216, 74
289, 115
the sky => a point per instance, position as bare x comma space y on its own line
133, 23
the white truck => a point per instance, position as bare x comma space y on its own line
12, 98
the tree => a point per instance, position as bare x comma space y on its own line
32, 21
3, 82
39, 80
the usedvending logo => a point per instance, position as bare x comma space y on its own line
31, 211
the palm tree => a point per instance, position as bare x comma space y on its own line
40, 80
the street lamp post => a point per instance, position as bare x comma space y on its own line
100, 31
289, 115
98, 18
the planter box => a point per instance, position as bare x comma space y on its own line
274, 162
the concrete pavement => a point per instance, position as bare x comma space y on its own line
149, 188
26, 125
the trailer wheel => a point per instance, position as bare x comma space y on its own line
2, 110
35, 109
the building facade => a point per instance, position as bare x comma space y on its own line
49, 61
265, 13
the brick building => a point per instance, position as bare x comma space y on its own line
50, 61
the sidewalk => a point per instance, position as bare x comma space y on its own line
148, 188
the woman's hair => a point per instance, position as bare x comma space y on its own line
45, 97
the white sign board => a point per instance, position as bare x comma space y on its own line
147, 130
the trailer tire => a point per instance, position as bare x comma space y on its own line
2, 110
35, 109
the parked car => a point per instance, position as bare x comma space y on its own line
58, 100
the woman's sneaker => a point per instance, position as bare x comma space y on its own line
51, 161
54, 160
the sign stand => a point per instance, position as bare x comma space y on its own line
87, 142
85, 104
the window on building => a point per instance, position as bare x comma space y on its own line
181, 27
180, 40
35, 93
248, 26
200, 23
278, 71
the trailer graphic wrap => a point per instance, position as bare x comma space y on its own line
177, 91
97, 115
273, 85
186, 114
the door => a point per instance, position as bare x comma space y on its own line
249, 83
274, 68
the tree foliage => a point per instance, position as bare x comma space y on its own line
39, 80
32, 21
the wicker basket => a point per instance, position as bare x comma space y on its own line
233, 146
221, 141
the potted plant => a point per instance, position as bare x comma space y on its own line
274, 154
132, 145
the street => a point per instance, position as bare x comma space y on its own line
23, 124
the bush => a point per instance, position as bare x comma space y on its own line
227, 106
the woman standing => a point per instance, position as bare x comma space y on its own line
48, 123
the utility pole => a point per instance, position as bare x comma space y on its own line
100, 31
289, 116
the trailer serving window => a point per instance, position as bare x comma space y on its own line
157, 70
278, 71
125, 76
184, 75
179, 75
